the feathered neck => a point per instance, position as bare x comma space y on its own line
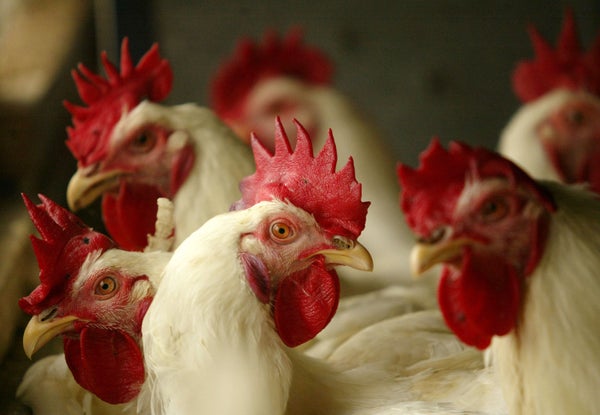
548, 365
235, 349
212, 186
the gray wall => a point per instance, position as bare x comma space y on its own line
419, 68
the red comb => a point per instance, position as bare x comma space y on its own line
108, 98
65, 243
252, 62
309, 182
566, 67
429, 192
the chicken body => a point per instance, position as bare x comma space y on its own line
224, 344
521, 261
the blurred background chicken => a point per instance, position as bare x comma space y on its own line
131, 150
286, 78
520, 271
555, 135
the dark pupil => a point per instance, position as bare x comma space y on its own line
576, 117
281, 231
490, 208
142, 139
105, 286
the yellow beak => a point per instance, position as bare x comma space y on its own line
424, 256
350, 253
38, 332
85, 188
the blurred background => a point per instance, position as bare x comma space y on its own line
419, 68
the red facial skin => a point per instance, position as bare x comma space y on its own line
480, 292
303, 292
571, 138
487, 221
103, 351
149, 171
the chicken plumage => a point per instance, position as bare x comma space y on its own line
555, 135
95, 296
132, 150
521, 262
292, 80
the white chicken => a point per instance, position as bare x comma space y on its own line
521, 261
555, 135
131, 151
98, 311
291, 80
252, 283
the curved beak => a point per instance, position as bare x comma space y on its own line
85, 187
347, 252
39, 332
424, 256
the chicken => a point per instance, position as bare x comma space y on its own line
286, 78
521, 260
248, 286
555, 135
95, 296
266, 268
132, 150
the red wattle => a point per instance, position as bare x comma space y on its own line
131, 215
108, 363
305, 303
481, 300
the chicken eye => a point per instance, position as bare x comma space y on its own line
143, 143
494, 209
281, 231
106, 287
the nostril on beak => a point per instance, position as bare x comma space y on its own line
90, 170
435, 236
48, 314
342, 243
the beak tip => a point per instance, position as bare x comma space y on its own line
29, 349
